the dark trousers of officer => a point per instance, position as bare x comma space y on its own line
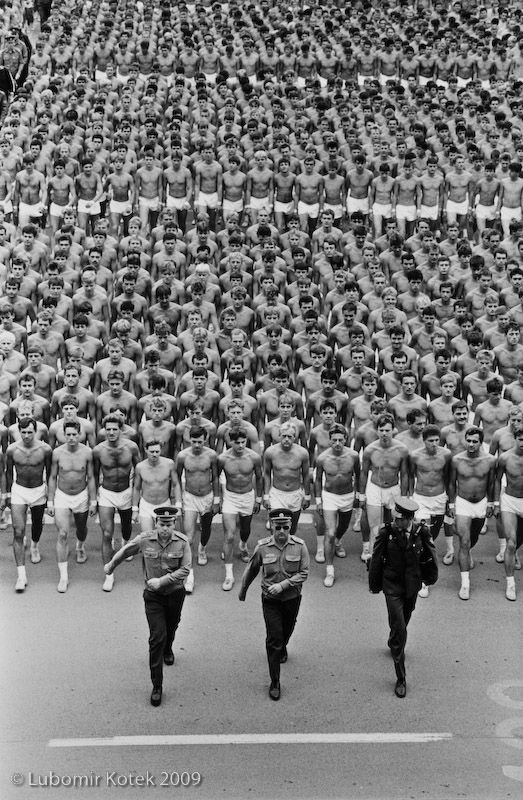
163, 613
280, 619
400, 610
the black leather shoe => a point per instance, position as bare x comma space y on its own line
168, 658
284, 656
156, 696
400, 690
274, 691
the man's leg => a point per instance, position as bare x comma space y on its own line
331, 521
290, 614
319, 523
80, 521
37, 525
126, 522
463, 531
230, 523
173, 613
398, 633
62, 518
106, 517
510, 525
189, 526
18, 518
155, 612
274, 642
375, 520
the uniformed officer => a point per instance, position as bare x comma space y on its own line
166, 557
284, 559
395, 568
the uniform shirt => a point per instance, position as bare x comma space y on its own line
170, 562
399, 552
287, 565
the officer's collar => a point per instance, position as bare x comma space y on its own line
154, 535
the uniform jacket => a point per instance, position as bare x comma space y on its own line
171, 563
288, 565
395, 564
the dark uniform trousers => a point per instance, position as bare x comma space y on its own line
400, 610
280, 619
163, 613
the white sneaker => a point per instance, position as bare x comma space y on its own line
189, 585
35, 553
424, 591
328, 581
21, 583
366, 555
108, 583
81, 555
202, 556
500, 557
63, 583
320, 555
510, 593
464, 593
448, 559
228, 584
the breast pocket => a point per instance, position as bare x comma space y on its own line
150, 553
270, 563
292, 563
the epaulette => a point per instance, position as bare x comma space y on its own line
181, 535
264, 541
296, 539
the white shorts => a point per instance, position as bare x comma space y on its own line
430, 506
198, 505
311, 210
514, 505
283, 208
357, 204
122, 207
457, 209
464, 508
24, 496
234, 503
406, 213
377, 496
146, 511
337, 210
260, 202
429, 212
208, 200
485, 212
77, 503
363, 78
384, 78
232, 206
56, 211
507, 214
6, 206
121, 501
382, 210
178, 203
88, 207
28, 211
337, 502
150, 203
289, 500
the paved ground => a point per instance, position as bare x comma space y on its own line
75, 666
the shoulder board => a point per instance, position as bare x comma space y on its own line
264, 541
182, 536
296, 539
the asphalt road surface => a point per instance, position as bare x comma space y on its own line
74, 681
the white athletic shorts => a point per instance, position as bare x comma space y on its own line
337, 502
430, 506
178, 203
464, 508
208, 200
514, 505
120, 207
485, 212
406, 213
27, 211
382, 210
25, 496
429, 212
507, 214
289, 500
234, 503
232, 206
378, 496
457, 209
257, 203
336, 209
121, 501
357, 204
56, 211
283, 208
150, 203
92, 209
198, 505
77, 503
311, 210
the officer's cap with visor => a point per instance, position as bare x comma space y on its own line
280, 516
406, 506
165, 513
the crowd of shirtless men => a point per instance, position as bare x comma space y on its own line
263, 255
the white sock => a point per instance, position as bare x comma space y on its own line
228, 572
191, 574
366, 547
329, 570
465, 580
201, 548
450, 544
22, 573
62, 566
511, 582
320, 542
79, 544
502, 545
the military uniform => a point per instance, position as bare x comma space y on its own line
288, 566
170, 563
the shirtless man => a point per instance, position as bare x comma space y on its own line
259, 190
29, 193
380, 199
30, 458
407, 400
510, 466
404, 206
494, 412
430, 193
60, 194
69, 406
89, 191
510, 198
242, 468
309, 196
429, 473
357, 185
340, 466
178, 189
484, 196
286, 475
155, 484
458, 194
201, 498
149, 189
284, 181
208, 177
71, 491
471, 495
386, 461
234, 182
113, 461
158, 428
121, 194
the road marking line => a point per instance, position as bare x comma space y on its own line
253, 738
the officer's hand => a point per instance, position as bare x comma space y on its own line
107, 568
153, 583
92, 508
274, 589
50, 508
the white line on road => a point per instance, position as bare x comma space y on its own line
253, 738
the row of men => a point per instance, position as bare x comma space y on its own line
458, 482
